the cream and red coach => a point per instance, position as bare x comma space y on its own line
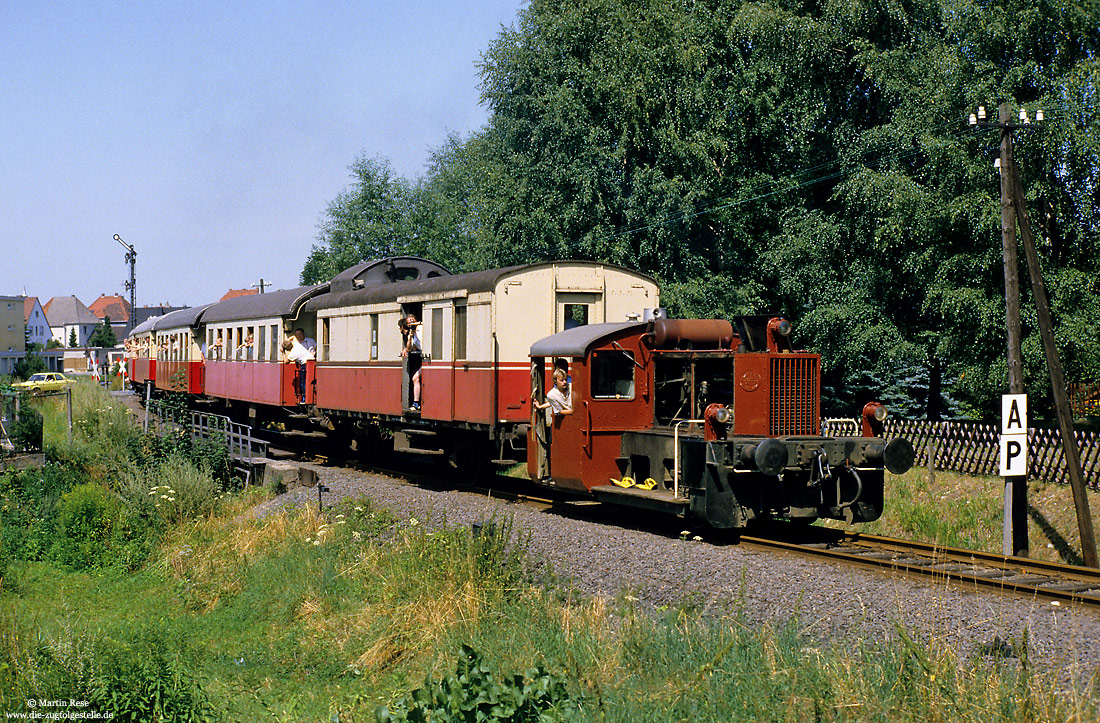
244, 361
698, 418
477, 329
141, 358
176, 340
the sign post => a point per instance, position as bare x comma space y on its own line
1013, 468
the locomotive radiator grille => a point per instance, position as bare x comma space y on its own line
794, 399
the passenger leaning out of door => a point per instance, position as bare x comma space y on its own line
559, 399
293, 351
414, 352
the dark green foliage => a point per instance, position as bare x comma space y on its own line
475, 693
28, 500
143, 675
29, 364
26, 432
148, 677
811, 159
104, 335
87, 515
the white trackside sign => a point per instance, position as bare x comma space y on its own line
1013, 435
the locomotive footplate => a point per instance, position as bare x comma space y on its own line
656, 500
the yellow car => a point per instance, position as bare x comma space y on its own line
45, 382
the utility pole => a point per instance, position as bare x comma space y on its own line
1013, 210
1015, 537
261, 286
131, 285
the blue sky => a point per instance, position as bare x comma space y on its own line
212, 135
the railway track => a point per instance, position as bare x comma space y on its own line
1057, 582
1052, 581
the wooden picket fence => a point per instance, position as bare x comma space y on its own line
973, 448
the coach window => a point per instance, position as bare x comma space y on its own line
274, 350
460, 331
322, 354
261, 342
575, 315
437, 334
373, 336
612, 374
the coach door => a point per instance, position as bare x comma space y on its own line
540, 430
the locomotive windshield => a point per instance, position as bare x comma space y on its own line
613, 374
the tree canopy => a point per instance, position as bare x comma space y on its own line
103, 336
810, 158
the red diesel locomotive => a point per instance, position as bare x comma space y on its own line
693, 417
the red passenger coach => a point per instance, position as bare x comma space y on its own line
244, 359
693, 417
179, 358
141, 360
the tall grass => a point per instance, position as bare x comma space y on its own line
358, 615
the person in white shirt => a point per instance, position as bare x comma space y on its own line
293, 351
559, 400
309, 343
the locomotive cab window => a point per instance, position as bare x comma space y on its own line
612, 374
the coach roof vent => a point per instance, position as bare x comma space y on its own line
386, 271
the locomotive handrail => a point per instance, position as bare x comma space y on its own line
676, 453
587, 432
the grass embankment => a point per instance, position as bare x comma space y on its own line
300, 616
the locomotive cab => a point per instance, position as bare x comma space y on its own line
697, 417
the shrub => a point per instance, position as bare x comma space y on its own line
142, 676
26, 433
475, 693
174, 491
146, 677
86, 516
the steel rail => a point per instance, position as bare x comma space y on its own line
1037, 578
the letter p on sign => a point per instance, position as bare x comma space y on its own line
1013, 435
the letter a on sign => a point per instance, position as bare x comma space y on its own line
1013, 414
1013, 435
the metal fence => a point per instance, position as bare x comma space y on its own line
244, 448
973, 448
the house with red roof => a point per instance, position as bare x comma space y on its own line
115, 308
